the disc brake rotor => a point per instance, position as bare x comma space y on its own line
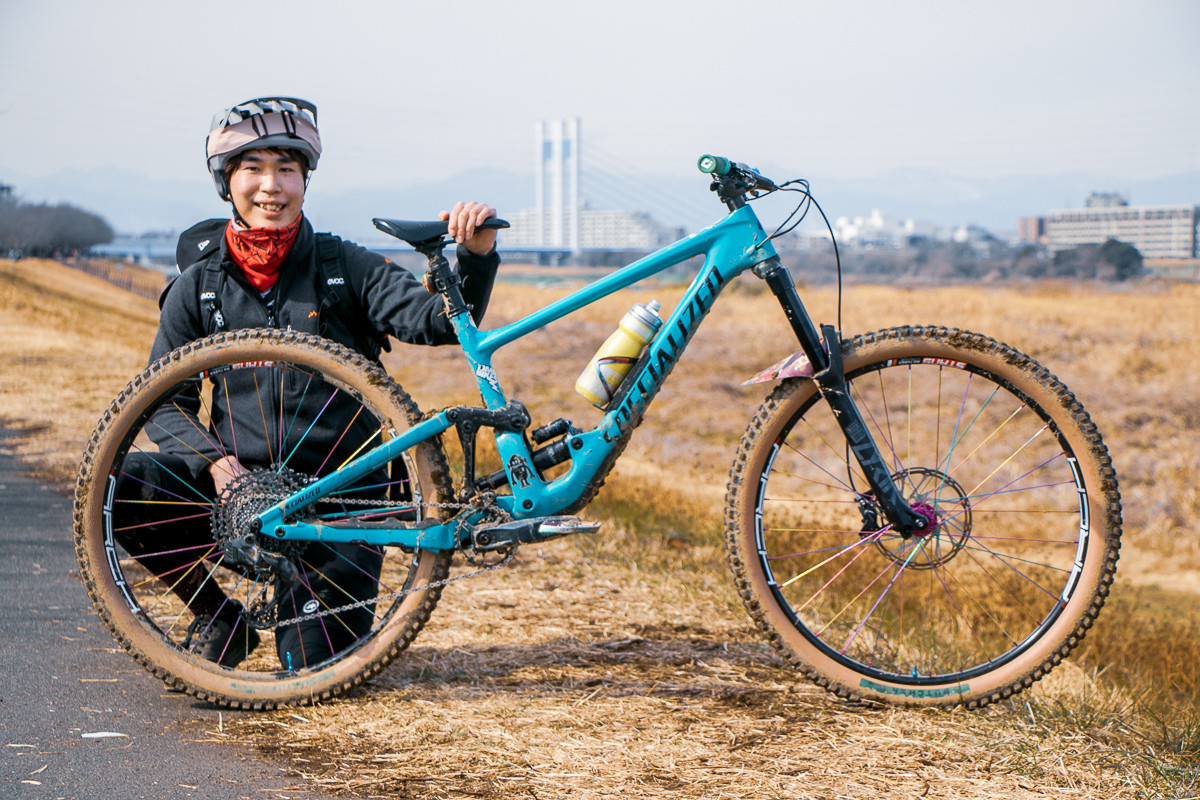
944, 504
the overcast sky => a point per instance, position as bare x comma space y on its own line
419, 91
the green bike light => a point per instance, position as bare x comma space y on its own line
713, 165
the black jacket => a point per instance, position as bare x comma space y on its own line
390, 298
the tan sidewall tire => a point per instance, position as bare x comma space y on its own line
1074, 424
239, 688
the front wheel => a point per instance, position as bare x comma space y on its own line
988, 446
166, 560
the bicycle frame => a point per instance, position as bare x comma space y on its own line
730, 246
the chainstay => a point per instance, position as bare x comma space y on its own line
483, 504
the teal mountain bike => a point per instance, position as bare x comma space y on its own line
919, 515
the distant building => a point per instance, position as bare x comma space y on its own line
1105, 200
979, 239
597, 230
881, 231
1156, 231
1031, 229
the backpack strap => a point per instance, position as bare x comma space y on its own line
211, 283
334, 291
196, 244
337, 297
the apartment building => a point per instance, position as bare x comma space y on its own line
1156, 231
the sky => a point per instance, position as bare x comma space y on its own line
412, 92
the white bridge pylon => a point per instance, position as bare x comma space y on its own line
557, 176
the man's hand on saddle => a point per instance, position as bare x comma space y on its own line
463, 220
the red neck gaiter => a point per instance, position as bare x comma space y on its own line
260, 251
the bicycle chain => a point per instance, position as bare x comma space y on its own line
396, 594
483, 502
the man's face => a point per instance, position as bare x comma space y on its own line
268, 189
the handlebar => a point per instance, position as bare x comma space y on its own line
721, 167
732, 181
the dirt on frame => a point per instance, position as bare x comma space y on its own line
625, 665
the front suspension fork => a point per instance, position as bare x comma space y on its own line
829, 375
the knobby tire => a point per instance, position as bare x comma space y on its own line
992, 448
151, 621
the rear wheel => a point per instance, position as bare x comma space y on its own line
154, 543
1001, 459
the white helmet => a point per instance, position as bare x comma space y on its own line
283, 122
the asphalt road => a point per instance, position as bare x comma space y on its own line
62, 678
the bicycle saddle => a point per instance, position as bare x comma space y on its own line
415, 232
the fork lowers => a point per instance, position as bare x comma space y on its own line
828, 373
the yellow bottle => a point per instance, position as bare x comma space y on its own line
612, 362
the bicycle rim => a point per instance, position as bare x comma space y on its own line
1011, 473
140, 520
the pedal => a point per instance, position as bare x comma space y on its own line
529, 531
561, 526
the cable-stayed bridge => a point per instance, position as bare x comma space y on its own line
596, 203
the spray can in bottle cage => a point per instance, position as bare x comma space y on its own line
612, 362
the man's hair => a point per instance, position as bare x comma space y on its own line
287, 152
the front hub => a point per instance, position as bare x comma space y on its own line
946, 509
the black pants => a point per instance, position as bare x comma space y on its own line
164, 521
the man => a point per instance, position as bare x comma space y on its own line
265, 267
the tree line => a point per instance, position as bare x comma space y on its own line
45, 231
952, 262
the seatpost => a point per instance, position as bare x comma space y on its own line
827, 372
441, 277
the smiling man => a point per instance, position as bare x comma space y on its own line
265, 267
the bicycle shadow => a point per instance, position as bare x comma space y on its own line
683, 663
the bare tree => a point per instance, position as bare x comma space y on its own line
45, 230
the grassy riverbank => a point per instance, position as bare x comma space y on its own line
625, 665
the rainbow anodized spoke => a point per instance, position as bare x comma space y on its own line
334, 447
308, 430
205, 501
263, 415
899, 571
864, 541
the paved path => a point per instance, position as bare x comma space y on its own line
61, 678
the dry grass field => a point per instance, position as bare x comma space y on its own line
624, 665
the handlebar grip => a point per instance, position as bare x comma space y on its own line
714, 165
719, 166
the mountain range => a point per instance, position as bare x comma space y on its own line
133, 203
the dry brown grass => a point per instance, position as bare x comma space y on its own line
68, 343
623, 665
566, 676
